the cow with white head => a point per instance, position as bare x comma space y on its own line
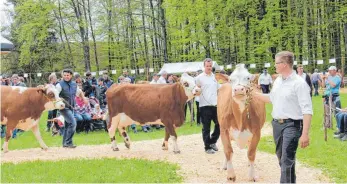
22, 107
240, 117
190, 88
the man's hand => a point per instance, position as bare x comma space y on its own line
304, 141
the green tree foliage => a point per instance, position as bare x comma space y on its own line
133, 34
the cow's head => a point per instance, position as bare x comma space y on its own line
190, 88
51, 93
240, 81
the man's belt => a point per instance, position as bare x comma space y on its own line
287, 120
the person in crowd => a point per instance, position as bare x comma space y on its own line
305, 76
107, 80
316, 80
162, 78
265, 81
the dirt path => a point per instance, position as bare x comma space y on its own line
196, 165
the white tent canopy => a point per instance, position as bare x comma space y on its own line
174, 68
6, 45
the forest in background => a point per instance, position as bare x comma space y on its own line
96, 35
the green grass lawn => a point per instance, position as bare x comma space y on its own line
106, 170
330, 156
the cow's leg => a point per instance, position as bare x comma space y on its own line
125, 136
165, 145
228, 151
170, 128
252, 148
112, 131
9, 131
36, 131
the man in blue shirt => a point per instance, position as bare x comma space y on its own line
332, 84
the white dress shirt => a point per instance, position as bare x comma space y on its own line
264, 79
161, 80
290, 98
209, 88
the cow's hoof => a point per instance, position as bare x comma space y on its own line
115, 149
164, 148
44, 148
127, 144
253, 179
233, 179
177, 152
224, 168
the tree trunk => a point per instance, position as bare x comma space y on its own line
93, 36
83, 34
164, 31
66, 38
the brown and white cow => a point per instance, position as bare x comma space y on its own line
240, 117
149, 103
22, 107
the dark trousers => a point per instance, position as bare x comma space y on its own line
69, 127
265, 88
341, 120
286, 136
198, 120
315, 85
208, 114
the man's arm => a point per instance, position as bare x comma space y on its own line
305, 104
262, 97
304, 139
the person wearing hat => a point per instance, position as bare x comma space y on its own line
332, 83
291, 112
265, 81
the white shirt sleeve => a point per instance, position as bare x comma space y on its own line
58, 87
304, 98
197, 81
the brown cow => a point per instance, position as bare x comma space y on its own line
22, 107
240, 117
149, 103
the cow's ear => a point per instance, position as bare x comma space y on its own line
252, 77
41, 88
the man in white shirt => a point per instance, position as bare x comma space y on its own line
265, 81
208, 106
292, 114
162, 78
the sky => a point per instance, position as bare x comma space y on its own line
5, 19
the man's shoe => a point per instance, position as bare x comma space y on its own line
214, 147
210, 151
344, 138
338, 136
337, 133
70, 146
